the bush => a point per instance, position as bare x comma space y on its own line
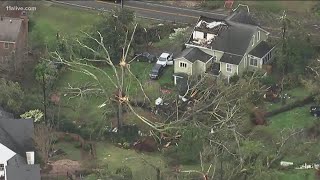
77, 144
68, 138
125, 172
234, 79
189, 147
87, 147
268, 80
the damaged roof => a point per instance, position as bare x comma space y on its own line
230, 37
10, 28
261, 49
194, 54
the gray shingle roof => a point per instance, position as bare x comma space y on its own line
244, 17
23, 172
9, 31
231, 59
17, 135
194, 54
261, 49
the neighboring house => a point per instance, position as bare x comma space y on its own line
13, 42
228, 47
16, 149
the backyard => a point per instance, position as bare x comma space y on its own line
83, 110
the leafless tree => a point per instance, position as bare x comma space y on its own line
43, 139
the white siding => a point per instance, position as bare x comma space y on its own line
5, 155
198, 35
30, 157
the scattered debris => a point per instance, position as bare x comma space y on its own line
211, 24
286, 164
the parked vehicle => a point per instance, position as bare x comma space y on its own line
156, 71
146, 57
315, 111
165, 59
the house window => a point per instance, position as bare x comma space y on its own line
229, 67
1, 167
6, 45
253, 39
205, 35
253, 62
258, 36
183, 65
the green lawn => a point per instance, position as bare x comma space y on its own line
296, 118
296, 175
51, 18
71, 151
296, 94
113, 157
85, 109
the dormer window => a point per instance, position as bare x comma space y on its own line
1, 167
258, 36
253, 40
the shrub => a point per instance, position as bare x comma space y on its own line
87, 147
234, 79
268, 80
77, 145
125, 172
68, 138
189, 147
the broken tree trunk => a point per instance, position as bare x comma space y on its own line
288, 107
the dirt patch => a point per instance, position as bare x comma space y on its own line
65, 166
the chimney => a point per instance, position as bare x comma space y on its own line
10, 21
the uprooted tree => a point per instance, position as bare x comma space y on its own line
218, 113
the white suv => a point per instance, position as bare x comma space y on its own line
165, 59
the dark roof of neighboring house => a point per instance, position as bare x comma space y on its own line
261, 49
233, 39
17, 135
10, 28
244, 17
194, 54
231, 59
4, 114
23, 172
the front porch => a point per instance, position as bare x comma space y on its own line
214, 69
261, 55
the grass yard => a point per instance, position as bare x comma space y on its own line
85, 109
278, 6
296, 118
113, 157
70, 149
51, 18
295, 94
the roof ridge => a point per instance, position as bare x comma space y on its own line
12, 140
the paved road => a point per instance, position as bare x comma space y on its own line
149, 10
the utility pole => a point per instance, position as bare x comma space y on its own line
121, 4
